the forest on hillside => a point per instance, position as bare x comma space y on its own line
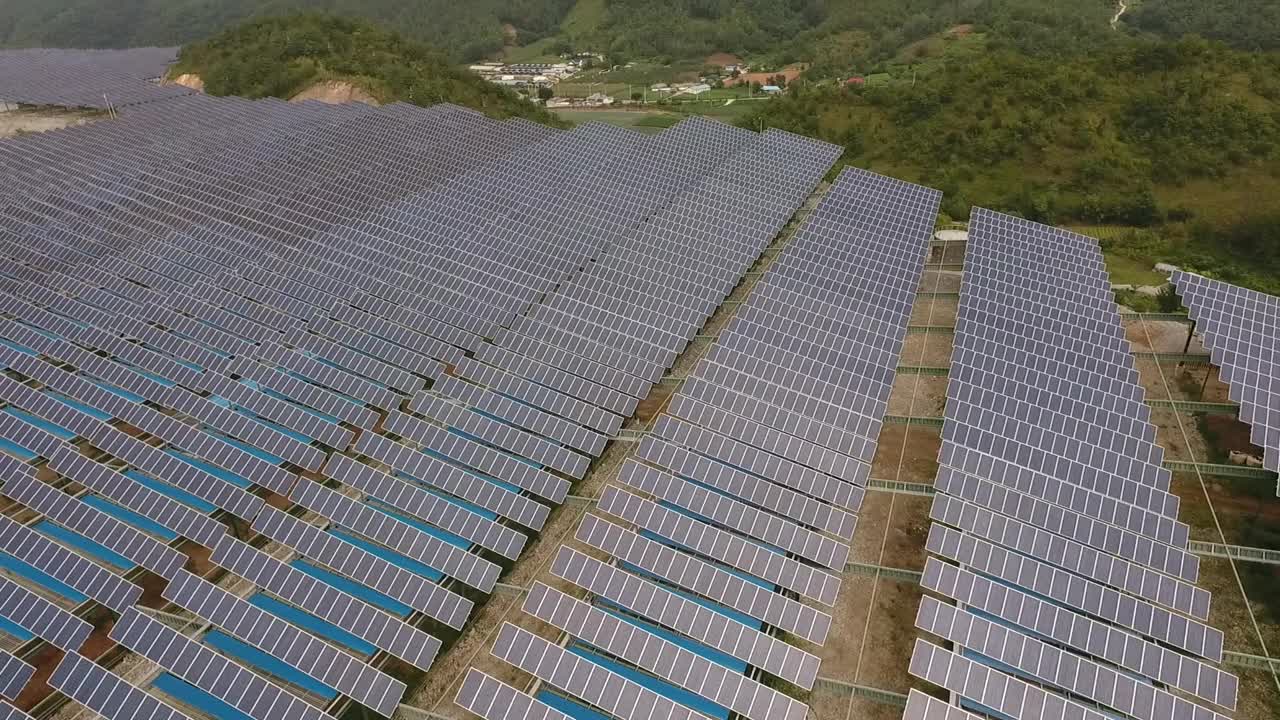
279, 57
832, 31
1182, 135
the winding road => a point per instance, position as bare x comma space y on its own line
1115, 21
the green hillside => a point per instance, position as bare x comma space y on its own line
464, 30
1243, 24
279, 57
831, 31
1181, 138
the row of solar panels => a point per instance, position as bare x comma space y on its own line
437, 318
86, 78
1239, 327
1055, 533
745, 494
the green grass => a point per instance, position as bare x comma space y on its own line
535, 52
1128, 271
638, 120
585, 18
657, 120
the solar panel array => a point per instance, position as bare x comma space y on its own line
379, 343
1054, 532
1239, 328
86, 78
733, 519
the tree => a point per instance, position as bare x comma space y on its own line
545, 93
1168, 299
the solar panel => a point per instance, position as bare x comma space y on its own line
578, 676
1053, 499
9, 712
751, 488
1051, 665
491, 462
525, 444
1238, 328
728, 548
991, 688
690, 618
364, 567
925, 707
763, 526
493, 699
347, 612
454, 480
705, 579
137, 497
421, 503
405, 538
76, 571
95, 525
215, 674
1081, 633
41, 617
16, 674
309, 654
105, 693
659, 656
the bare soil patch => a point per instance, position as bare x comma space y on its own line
335, 92
918, 396
920, 462
32, 120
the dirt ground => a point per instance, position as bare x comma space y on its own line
918, 395
939, 312
29, 120
335, 92
927, 350
918, 464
